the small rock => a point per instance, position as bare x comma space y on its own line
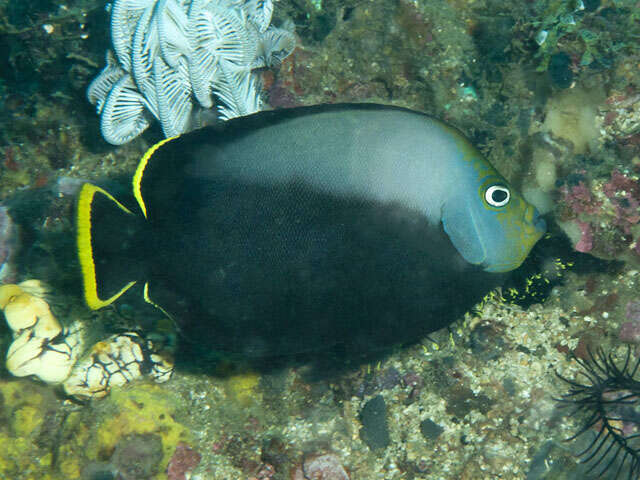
412, 380
99, 471
383, 380
629, 332
68, 186
389, 378
184, 460
430, 430
374, 431
633, 311
486, 343
274, 452
137, 456
323, 467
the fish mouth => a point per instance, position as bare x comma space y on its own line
539, 223
537, 228
533, 218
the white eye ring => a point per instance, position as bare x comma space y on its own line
500, 191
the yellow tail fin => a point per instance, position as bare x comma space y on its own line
97, 221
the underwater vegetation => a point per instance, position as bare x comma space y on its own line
170, 56
609, 398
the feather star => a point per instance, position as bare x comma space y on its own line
172, 59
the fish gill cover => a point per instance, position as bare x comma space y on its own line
171, 57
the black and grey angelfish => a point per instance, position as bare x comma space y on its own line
295, 230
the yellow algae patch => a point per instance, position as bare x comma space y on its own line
70, 468
17, 393
243, 387
69, 457
142, 409
26, 419
24, 404
17, 457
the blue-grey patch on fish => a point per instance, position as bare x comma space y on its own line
296, 230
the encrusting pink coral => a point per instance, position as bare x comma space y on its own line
579, 199
605, 213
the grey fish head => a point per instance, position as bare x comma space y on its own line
487, 220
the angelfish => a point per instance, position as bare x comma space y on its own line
294, 230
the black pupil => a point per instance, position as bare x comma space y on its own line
499, 196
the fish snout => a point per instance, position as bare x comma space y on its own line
533, 218
538, 222
512, 256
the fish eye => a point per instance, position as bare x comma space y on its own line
497, 195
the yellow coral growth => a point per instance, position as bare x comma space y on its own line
146, 408
243, 387
24, 404
26, 419
137, 409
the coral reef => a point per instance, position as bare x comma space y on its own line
108, 435
171, 55
30, 414
473, 401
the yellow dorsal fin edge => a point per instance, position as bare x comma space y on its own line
137, 177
